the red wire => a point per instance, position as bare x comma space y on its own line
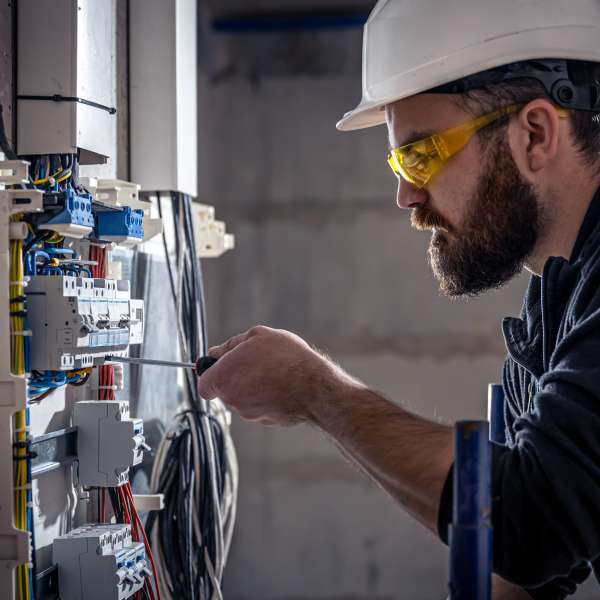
136, 516
106, 379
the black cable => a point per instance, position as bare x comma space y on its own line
183, 555
4, 145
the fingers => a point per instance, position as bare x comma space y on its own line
211, 382
236, 340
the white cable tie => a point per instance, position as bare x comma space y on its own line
22, 282
29, 504
26, 333
22, 487
22, 429
107, 387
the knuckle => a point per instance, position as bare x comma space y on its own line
258, 330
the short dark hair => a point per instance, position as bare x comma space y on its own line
585, 124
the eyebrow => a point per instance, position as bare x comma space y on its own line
411, 137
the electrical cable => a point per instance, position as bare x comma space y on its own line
195, 465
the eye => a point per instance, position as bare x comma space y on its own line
416, 160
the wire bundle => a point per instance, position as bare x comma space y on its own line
106, 373
23, 499
195, 466
125, 511
54, 172
20, 344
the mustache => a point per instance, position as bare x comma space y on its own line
424, 218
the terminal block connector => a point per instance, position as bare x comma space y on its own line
100, 562
120, 226
109, 442
68, 213
76, 321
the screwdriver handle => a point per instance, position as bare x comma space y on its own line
204, 363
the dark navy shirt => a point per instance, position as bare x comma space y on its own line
546, 480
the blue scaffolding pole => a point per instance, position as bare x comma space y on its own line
471, 529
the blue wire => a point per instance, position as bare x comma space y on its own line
53, 250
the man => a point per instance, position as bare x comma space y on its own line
494, 132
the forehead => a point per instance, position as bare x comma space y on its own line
420, 116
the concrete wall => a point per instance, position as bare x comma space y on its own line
323, 250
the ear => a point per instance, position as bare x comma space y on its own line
533, 137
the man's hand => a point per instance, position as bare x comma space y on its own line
272, 376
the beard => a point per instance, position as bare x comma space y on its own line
499, 231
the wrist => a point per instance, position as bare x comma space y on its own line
332, 392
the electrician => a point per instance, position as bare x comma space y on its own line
493, 115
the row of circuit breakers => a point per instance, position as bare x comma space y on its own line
74, 321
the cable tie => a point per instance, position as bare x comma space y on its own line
107, 387
27, 486
26, 333
22, 430
18, 300
29, 504
22, 282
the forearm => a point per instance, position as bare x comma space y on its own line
405, 454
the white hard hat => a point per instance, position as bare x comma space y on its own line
411, 46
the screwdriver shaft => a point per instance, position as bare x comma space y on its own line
151, 361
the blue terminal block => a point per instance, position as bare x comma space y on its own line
471, 530
119, 225
66, 209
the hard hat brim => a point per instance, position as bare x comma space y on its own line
366, 114
580, 44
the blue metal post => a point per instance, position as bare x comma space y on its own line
496, 413
471, 530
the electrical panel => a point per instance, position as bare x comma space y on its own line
109, 442
66, 86
77, 321
100, 562
74, 241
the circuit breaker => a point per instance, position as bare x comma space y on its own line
77, 321
100, 562
109, 442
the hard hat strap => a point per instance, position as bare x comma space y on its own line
569, 83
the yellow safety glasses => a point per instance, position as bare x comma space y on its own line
418, 162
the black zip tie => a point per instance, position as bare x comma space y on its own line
27, 456
18, 300
18, 313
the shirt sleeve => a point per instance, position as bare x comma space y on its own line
546, 488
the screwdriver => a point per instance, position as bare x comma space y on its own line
200, 366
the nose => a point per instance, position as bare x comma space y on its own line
408, 195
